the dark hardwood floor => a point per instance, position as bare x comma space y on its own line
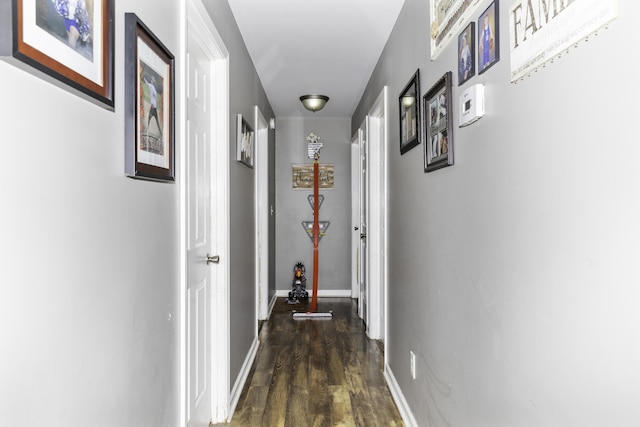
316, 372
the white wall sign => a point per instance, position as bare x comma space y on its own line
540, 30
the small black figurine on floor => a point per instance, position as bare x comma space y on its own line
299, 285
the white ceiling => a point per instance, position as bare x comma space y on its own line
326, 47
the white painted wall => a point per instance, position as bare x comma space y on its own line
89, 270
292, 242
513, 274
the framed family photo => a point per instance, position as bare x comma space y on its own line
245, 142
409, 103
488, 38
438, 146
467, 53
149, 104
67, 42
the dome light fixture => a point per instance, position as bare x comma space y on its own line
314, 103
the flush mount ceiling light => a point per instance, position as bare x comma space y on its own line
314, 102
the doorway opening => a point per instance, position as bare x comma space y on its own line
371, 207
204, 189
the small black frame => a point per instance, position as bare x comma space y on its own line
488, 38
409, 107
467, 53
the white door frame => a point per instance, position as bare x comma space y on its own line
377, 226
197, 21
363, 213
356, 141
262, 215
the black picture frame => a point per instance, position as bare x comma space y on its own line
149, 104
245, 142
488, 38
438, 124
467, 53
409, 107
35, 36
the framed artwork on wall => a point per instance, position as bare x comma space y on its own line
409, 102
149, 104
302, 176
438, 123
447, 18
467, 53
245, 142
488, 38
67, 43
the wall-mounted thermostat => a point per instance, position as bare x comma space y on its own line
471, 105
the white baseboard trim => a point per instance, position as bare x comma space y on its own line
322, 293
272, 304
242, 378
403, 407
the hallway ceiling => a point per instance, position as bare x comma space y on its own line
327, 47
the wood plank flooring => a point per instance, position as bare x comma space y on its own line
316, 373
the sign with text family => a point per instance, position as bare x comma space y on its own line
540, 30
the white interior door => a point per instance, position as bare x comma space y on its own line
262, 214
376, 188
205, 196
198, 152
378, 216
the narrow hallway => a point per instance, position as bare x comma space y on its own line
316, 372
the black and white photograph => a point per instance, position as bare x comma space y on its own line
245, 143
438, 151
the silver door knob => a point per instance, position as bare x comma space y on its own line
213, 259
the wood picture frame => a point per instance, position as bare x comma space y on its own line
76, 54
245, 142
149, 104
467, 53
488, 38
409, 107
438, 123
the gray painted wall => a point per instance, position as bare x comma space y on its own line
90, 265
292, 207
245, 91
513, 274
